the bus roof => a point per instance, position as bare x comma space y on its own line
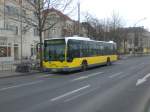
81, 38
67, 38
75, 38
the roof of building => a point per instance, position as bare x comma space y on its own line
58, 13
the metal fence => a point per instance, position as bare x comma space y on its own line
12, 65
7, 66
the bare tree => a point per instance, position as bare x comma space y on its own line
39, 20
115, 28
101, 27
91, 23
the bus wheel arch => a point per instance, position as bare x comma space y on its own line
108, 62
84, 65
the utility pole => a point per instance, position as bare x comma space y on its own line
78, 18
4, 15
21, 30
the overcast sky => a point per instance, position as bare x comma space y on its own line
131, 11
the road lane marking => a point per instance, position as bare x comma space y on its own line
21, 85
87, 76
116, 74
43, 76
80, 78
69, 93
142, 80
77, 96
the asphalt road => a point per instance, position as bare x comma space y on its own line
122, 87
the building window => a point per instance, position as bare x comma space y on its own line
9, 51
53, 30
33, 50
36, 32
34, 14
12, 28
34, 1
24, 13
5, 51
5, 48
52, 17
11, 10
16, 30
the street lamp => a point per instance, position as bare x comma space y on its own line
78, 17
21, 38
134, 26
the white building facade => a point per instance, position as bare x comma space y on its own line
12, 41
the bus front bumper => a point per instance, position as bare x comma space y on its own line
61, 69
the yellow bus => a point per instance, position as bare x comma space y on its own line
77, 53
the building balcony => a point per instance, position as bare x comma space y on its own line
6, 32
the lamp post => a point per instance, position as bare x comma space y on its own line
4, 14
135, 31
78, 17
21, 39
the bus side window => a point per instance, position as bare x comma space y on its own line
70, 55
84, 49
81, 49
114, 49
97, 49
77, 47
102, 49
107, 49
73, 49
91, 49
69, 51
88, 49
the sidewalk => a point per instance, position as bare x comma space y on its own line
126, 56
7, 74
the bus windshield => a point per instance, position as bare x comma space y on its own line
54, 50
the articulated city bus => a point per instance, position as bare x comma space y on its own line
77, 53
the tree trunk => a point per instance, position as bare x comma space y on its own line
41, 51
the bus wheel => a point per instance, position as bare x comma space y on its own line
108, 63
84, 66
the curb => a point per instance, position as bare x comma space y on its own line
19, 75
123, 57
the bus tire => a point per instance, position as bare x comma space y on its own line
108, 63
84, 65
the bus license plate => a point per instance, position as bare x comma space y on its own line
54, 70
